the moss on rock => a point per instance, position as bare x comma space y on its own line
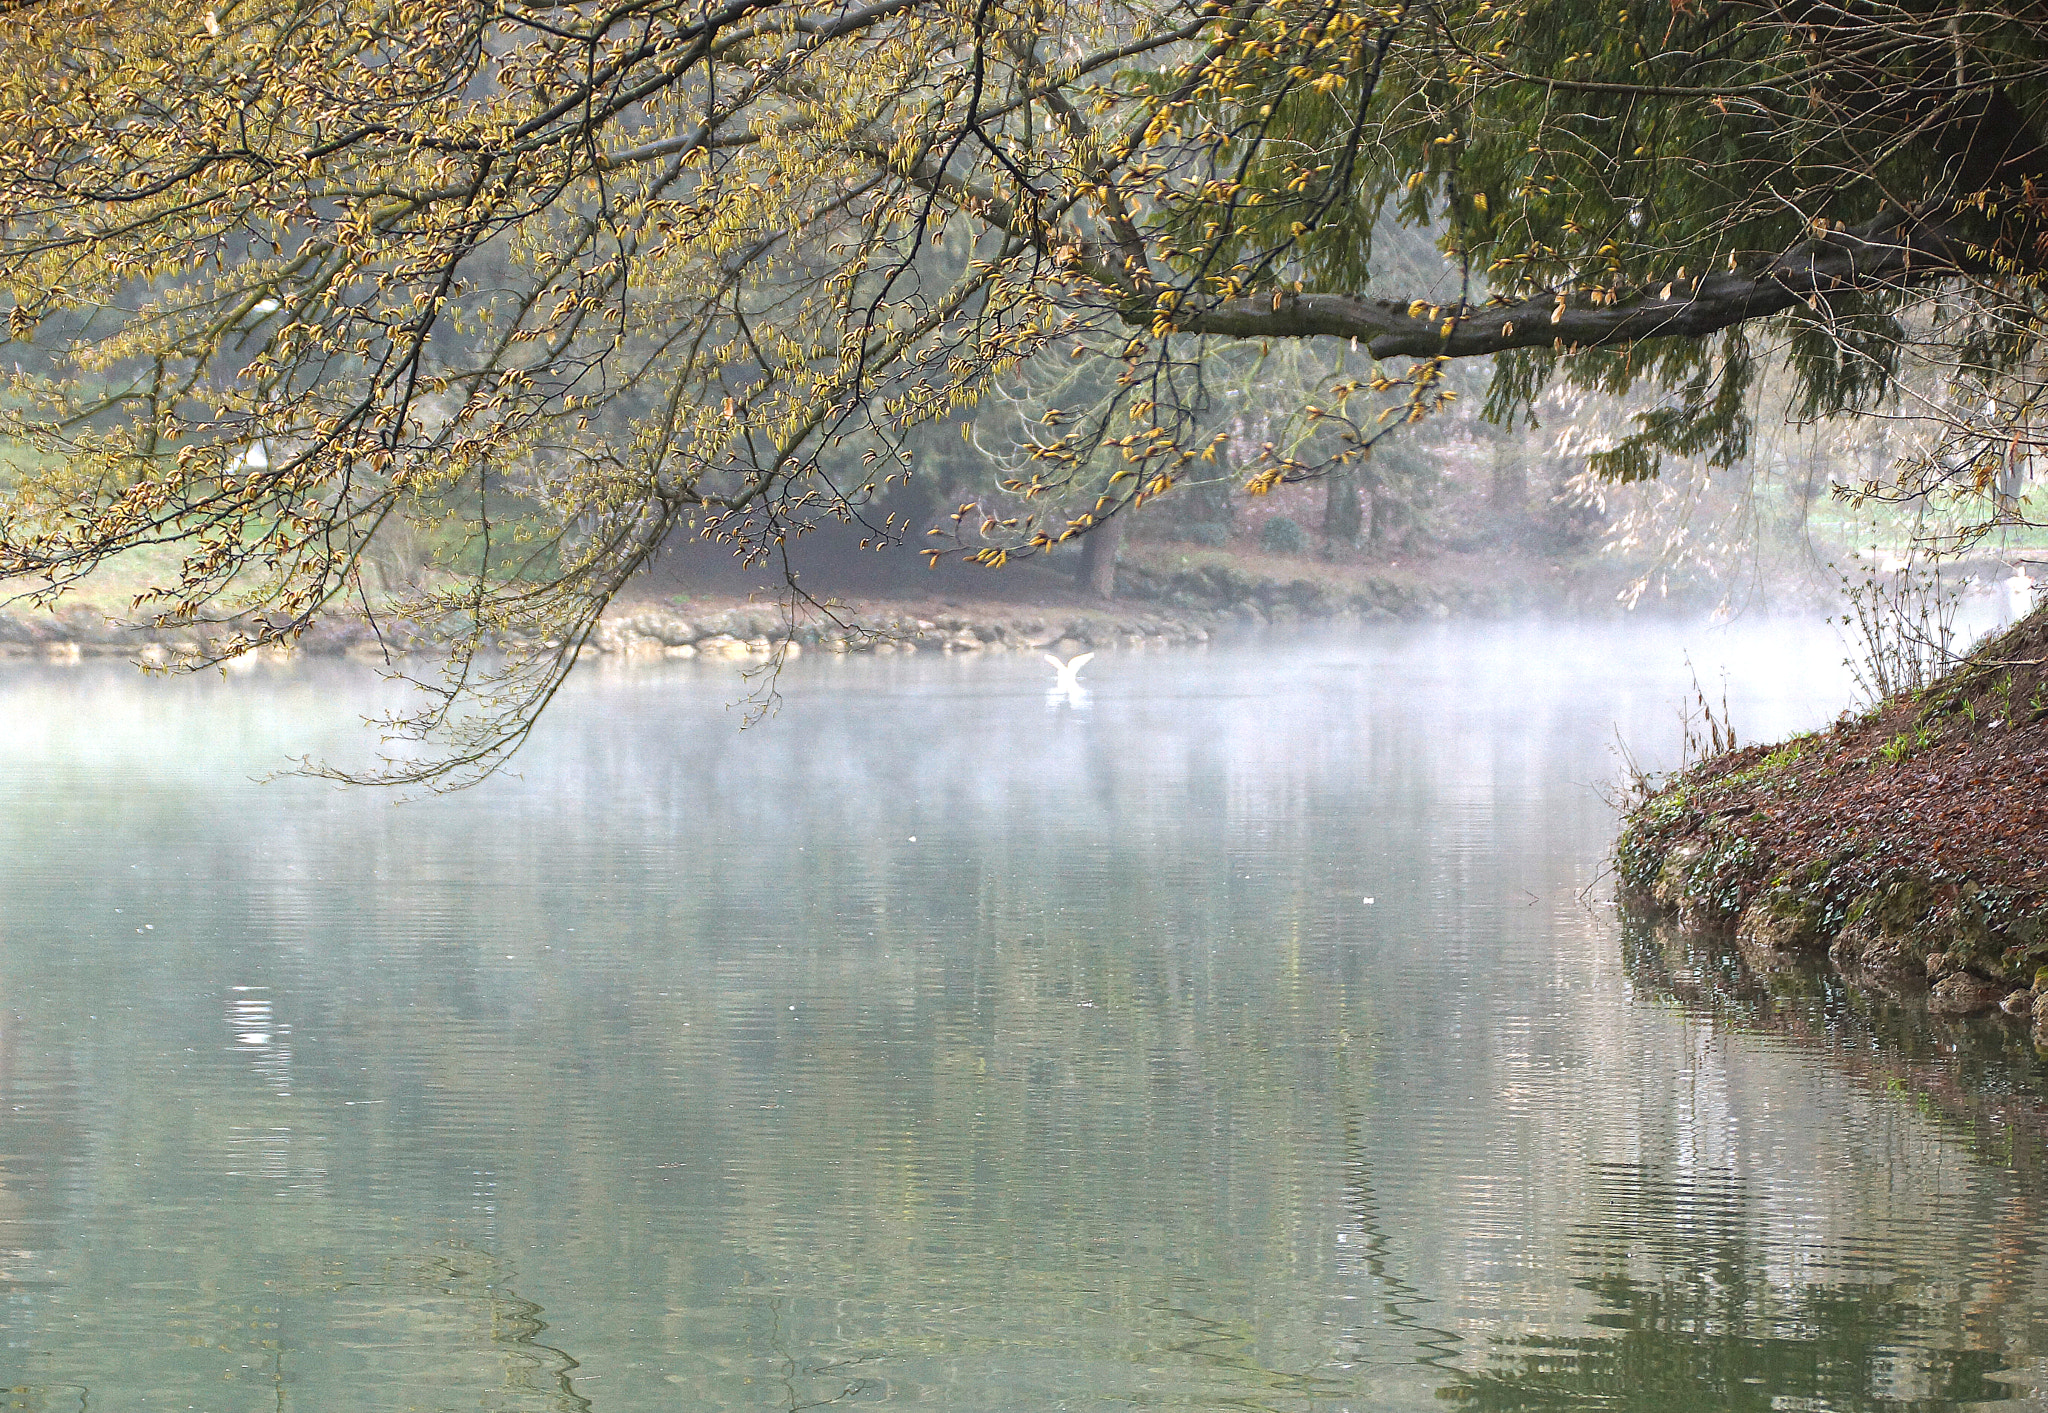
1779, 920
1878, 857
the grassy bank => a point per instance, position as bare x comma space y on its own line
1907, 842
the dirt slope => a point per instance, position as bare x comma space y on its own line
1910, 841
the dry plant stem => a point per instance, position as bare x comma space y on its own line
1904, 629
1707, 735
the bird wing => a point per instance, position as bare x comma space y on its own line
1076, 663
1056, 662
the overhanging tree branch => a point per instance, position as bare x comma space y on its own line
1897, 251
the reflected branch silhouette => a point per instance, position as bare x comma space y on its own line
1397, 1295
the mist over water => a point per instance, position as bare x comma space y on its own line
1248, 1031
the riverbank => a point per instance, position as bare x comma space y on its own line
698, 625
704, 626
1170, 595
1908, 844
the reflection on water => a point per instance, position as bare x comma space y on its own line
1983, 1076
1691, 1312
937, 1043
1705, 1323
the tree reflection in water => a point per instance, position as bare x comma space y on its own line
1695, 1312
1693, 1319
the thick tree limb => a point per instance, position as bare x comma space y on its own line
1896, 251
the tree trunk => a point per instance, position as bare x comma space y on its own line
1342, 519
1098, 558
1510, 491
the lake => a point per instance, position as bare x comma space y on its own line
1255, 1033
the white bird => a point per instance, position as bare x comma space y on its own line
1069, 679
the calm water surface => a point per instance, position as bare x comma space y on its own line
1250, 1035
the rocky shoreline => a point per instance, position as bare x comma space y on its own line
650, 631
656, 631
1168, 594
1911, 933
1158, 607
1908, 844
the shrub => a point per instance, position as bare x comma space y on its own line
1283, 535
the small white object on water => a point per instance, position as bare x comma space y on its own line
913, 838
1069, 679
1366, 901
